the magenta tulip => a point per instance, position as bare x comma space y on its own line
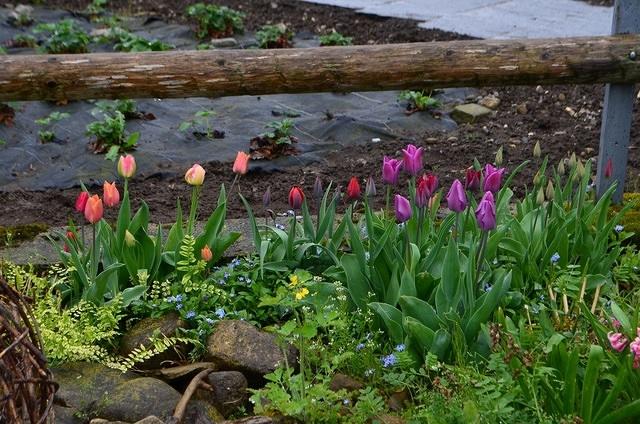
390, 170
456, 198
81, 201
412, 159
486, 212
492, 178
402, 208
618, 341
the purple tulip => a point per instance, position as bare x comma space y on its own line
402, 208
412, 159
456, 198
390, 170
492, 178
486, 212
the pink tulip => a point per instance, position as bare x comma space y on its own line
608, 169
296, 198
486, 212
81, 201
402, 208
492, 178
618, 341
422, 193
412, 159
390, 170
126, 166
353, 189
93, 209
456, 198
241, 164
206, 254
110, 194
195, 175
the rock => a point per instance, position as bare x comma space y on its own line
469, 112
201, 412
561, 97
251, 420
143, 331
223, 43
229, 391
398, 400
137, 399
522, 108
238, 345
490, 101
343, 381
151, 419
539, 89
66, 415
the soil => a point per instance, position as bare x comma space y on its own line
562, 118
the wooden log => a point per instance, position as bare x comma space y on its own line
215, 73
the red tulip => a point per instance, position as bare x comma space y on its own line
353, 189
126, 166
71, 235
472, 179
206, 254
608, 169
93, 209
296, 197
81, 201
110, 194
241, 164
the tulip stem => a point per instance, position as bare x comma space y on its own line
481, 252
235, 180
192, 211
94, 256
466, 218
388, 202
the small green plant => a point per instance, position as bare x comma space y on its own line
46, 135
418, 101
335, 39
216, 21
23, 41
278, 141
21, 16
110, 136
125, 41
96, 7
126, 107
202, 125
274, 37
281, 131
64, 37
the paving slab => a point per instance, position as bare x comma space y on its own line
495, 19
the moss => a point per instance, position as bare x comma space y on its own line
631, 219
22, 232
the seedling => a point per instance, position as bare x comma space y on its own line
216, 21
21, 16
110, 136
335, 39
202, 120
418, 101
47, 135
23, 41
125, 41
274, 37
276, 142
96, 7
65, 37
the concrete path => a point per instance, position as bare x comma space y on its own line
494, 18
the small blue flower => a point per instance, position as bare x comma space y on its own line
400, 348
388, 360
542, 298
209, 321
291, 212
226, 275
234, 263
241, 278
179, 298
555, 258
248, 281
178, 306
171, 299
618, 228
487, 287
369, 372
222, 282
345, 402
190, 314
220, 313
360, 346
280, 226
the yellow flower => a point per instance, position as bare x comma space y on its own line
300, 294
294, 280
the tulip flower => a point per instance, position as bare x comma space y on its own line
206, 254
608, 169
241, 164
456, 198
618, 341
402, 208
71, 235
422, 193
412, 159
81, 201
561, 169
635, 350
572, 160
486, 212
472, 179
93, 209
550, 191
195, 175
266, 198
499, 157
318, 190
129, 239
110, 194
126, 166
431, 183
540, 197
296, 198
537, 150
391, 170
492, 178
353, 189
370, 187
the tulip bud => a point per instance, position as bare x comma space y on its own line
81, 201
206, 254
537, 151
195, 175
540, 197
537, 178
296, 198
110, 194
412, 159
456, 198
492, 178
572, 161
486, 212
402, 208
498, 159
370, 187
129, 239
318, 190
390, 170
580, 169
126, 166
561, 170
93, 209
472, 179
71, 235
353, 189
241, 164
608, 169
266, 198
550, 191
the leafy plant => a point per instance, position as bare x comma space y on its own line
110, 136
125, 41
216, 21
202, 121
274, 37
96, 7
418, 100
334, 38
23, 41
64, 37
276, 142
47, 136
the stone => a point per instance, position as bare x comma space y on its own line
398, 400
201, 412
137, 399
490, 101
343, 381
562, 97
142, 332
251, 420
223, 43
522, 108
151, 419
66, 415
239, 346
229, 391
469, 113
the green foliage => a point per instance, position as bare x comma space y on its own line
274, 37
334, 38
24, 40
216, 21
110, 135
280, 131
419, 100
125, 41
126, 107
202, 120
96, 7
47, 136
64, 37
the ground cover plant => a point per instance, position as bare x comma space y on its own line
274, 37
215, 21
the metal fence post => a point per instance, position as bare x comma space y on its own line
617, 113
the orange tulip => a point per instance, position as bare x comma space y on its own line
126, 166
195, 175
241, 164
110, 194
206, 254
93, 209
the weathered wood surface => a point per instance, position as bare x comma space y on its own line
217, 73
